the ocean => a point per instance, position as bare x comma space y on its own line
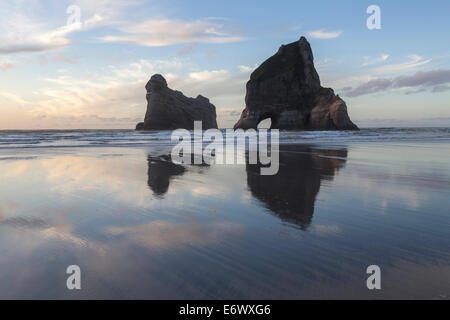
140, 226
129, 138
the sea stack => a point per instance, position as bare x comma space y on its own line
286, 88
168, 109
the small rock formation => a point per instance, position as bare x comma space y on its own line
286, 88
168, 109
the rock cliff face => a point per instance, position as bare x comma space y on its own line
286, 88
168, 109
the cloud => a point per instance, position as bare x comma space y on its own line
422, 80
248, 69
235, 113
408, 123
24, 34
59, 57
368, 61
322, 34
19, 101
430, 78
186, 49
210, 76
115, 96
323, 230
24, 30
386, 71
372, 86
44, 59
37, 42
440, 88
413, 61
165, 32
162, 234
6, 65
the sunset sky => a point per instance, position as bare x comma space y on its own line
91, 74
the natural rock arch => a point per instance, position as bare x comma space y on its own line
286, 88
267, 121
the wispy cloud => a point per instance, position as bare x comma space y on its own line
60, 57
186, 49
413, 61
435, 80
6, 65
322, 34
115, 96
386, 122
248, 69
34, 42
371, 86
164, 32
208, 76
375, 75
159, 234
13, 98
371, 61
25, 32
22, 33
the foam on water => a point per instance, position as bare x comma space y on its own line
116, 138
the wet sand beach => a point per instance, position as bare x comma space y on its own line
140, 226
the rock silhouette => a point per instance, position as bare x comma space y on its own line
286, 88
168, 109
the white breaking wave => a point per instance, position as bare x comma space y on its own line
124, 138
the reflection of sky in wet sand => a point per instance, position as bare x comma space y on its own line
142, 227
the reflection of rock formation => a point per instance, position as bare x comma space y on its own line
160, 171
291, 193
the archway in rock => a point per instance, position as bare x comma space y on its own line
267, 121
265, 124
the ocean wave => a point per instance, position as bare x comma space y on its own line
120, 138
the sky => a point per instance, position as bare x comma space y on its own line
83, 64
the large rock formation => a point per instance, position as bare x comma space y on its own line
286, 88
168, 109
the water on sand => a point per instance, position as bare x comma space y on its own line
140, 226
